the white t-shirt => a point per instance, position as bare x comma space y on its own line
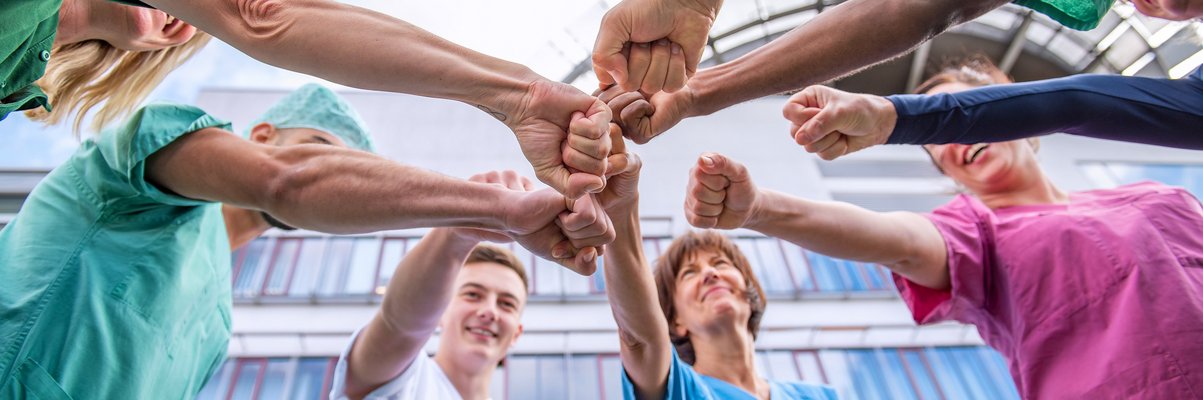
422, 380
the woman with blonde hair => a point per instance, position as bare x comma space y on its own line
65, 58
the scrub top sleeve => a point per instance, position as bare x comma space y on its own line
683, 382
149, 130
1161, 112
968, 240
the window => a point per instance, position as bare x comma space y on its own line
1111, 174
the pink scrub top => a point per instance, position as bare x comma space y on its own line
1098, 299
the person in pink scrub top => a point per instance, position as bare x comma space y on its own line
1088, 295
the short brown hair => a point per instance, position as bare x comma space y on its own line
490, 253
669, 264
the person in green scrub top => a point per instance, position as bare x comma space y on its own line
116, 271
328, 39
81, 55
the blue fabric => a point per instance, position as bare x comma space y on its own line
686, 384
1163, 112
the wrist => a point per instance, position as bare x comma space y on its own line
761, 210
888, 118
505, 95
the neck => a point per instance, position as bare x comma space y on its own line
242, 225
1038, 190
73, 23
471, 380
729, 355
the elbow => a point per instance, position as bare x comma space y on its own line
288, 177
259, 22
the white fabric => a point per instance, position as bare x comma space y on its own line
422, 380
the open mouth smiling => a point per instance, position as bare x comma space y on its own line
972, 152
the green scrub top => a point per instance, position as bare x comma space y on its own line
25, 41
1082, 15
113, 288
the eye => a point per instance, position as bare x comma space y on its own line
472, 295
509, 305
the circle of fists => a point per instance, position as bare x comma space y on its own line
832, 123
720, 193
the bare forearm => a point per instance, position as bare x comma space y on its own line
341, 191
839, 41
906, 242
417, 295
358, 47
643, 333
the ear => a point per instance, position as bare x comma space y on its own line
517, 334
264, 133
679, 329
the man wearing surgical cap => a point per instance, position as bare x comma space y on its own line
116, 270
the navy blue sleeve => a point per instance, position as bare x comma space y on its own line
1164, 112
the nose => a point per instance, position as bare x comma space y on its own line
709, 274
486, 313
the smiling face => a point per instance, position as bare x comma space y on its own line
1176, 10
482, 321
710, 293
137, 28
985, 168
705, 283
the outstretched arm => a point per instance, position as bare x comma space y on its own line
722, 195
410, 311
370, 50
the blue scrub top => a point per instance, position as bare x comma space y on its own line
686, 384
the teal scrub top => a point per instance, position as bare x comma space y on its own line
686, 384
1082, 15
113, 288
25, 41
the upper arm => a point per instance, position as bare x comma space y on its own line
378, 356
215, 165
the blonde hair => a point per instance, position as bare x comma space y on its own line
81, 76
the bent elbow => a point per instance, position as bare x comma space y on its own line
261, 20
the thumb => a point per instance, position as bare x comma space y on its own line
609, 62
718, 164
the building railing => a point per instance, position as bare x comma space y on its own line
357, 269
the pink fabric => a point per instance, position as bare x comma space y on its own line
1098, 299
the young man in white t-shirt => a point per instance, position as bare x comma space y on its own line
474, 293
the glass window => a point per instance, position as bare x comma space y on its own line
599, 280
794, 256
651, 249
867, 375
838, 370
308, 268
281, 268
920, 374
548, 279
896, 376
611, 375
361, 277
219, 384
826, 272
247, 381
948, 374
390, 256
272, 387
309, 378
250, 271
522, 377
528, 261
778, 274
497, 385
337, 260
552, 382
782, 367
809, 367
584, 378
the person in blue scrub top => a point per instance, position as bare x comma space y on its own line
687, 326
117, 267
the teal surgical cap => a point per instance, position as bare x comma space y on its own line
316, 107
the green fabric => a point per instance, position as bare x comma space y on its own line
1082, 15
25, 40
113, 288
315, 107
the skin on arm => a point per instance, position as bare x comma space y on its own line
722, 195
848, 37
383, 53
310, 185
643, 334
410, 311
